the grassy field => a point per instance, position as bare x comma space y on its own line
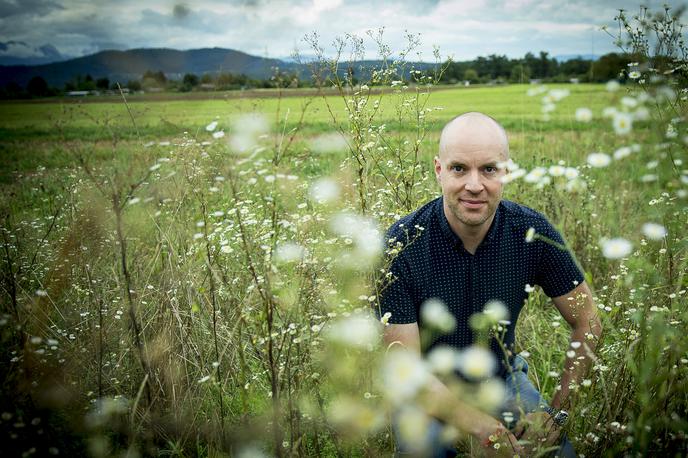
167, 291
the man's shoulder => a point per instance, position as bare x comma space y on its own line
414, 224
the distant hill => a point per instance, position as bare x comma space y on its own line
21, 53
121, 66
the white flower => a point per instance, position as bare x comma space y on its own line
571, 173
435, 314
515, 175
358, 330
289, 252
491, 394
329, 143
219, 134
248, 129
654, 231
211, 127
613, 86
363, 231
476, 362
403, 374
529, 289
584, 114
535, 175
530, 234
384, 319
586, 383
629, 102
496, 311
609, 112
641, 114
324, 191
623, 123
557, 170
634, 75
413, 426
548, 107
575, 185
622, 152
599, 160
558, 94
204, 379
134, 201
442, 359
616, 248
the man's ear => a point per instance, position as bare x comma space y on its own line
438, 167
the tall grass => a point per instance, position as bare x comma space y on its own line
209, 296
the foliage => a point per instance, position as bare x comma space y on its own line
194, 277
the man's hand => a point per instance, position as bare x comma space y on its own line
500, 442
537, 430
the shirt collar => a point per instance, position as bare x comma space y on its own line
454, 239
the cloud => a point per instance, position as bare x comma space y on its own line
463, 28
9, 8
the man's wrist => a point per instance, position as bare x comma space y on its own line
559, 417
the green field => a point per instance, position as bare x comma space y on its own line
151, 302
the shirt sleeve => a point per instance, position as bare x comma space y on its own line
557, 272
396, 294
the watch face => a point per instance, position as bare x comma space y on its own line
561, 417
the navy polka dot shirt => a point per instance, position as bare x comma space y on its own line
434, 264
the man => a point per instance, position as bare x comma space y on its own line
468, 248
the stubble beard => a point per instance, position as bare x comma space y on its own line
454, 208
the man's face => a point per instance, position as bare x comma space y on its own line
470, 178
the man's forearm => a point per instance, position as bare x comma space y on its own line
441, 402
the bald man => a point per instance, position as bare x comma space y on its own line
469, 248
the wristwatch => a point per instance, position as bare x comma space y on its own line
560, 417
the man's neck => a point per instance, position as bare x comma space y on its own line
471, 236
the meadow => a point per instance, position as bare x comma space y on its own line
194, 277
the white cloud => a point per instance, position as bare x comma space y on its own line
462, 28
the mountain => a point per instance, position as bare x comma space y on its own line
21, 53
121, 66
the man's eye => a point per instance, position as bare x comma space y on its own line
456, 168
490, 169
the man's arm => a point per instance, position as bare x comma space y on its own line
579, 311
439, 401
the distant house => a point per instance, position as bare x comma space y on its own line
207, 87
77, 93
574, 81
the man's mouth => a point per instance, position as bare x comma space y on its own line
470, 203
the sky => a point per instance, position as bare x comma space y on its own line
462, 29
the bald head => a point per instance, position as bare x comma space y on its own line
473, 131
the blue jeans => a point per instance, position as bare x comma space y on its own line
521, 397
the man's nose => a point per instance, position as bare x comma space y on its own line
473, 183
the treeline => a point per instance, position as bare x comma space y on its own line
483, 70
500, 69
151, 81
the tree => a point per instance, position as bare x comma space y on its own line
520, 74
133, 85
189, 82
103, 83
470, 75
159, 77
38, 87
